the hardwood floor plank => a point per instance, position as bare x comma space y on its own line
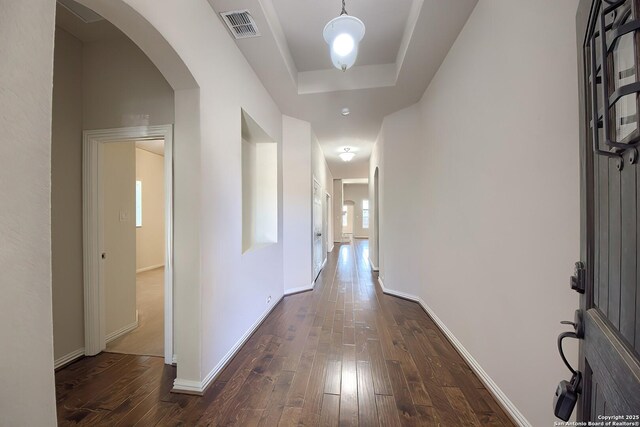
290, 417
381, 383
342, 354
349, 388
311, 406
461, 406
330, 410
333, 377
275, 405
367, 413
404, 403
387, 411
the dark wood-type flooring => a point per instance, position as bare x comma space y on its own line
343, 354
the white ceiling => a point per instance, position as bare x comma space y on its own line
86, 32
303, 21
404, 45
155, 146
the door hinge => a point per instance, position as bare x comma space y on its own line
578, 280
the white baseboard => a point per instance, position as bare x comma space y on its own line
373, 267
517, 417
299, 289
151, 267
68, 358
199, 387
120, 332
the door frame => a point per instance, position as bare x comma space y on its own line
376, 219
327, 220
93, 232
610, 351
313, 231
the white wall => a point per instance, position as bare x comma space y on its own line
488, 162
97, 85
357, 193
303, 160
297, 185
27, 396
118, 175
150, 242
122, 87
337, 210
66, 196
229, 296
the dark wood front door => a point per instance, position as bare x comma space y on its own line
610, 231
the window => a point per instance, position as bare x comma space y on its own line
344, 216
365, 214
138, 203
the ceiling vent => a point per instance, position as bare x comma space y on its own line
85, 14
241, 24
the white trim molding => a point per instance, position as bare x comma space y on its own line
93, 233
297, 290
151, 267
68, 358
199, 387
373, 266
516, 416
122, 331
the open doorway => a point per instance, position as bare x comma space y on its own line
140, 288
127, 204
347, 220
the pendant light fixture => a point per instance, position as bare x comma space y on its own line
347, 155
343, 34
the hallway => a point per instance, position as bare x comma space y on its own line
342, 354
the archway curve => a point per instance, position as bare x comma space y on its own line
147, 38
186, 165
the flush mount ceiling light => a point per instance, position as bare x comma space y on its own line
345, 111
347, 155
343, 34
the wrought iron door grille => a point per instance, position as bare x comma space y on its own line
614, 83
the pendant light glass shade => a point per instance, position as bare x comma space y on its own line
343, 34
347, 156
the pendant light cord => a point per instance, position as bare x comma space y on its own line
344, 11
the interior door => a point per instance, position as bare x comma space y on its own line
318, 251
117, 180
610, 294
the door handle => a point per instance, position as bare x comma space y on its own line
318, 234
567, 392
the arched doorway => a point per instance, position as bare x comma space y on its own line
186, 137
